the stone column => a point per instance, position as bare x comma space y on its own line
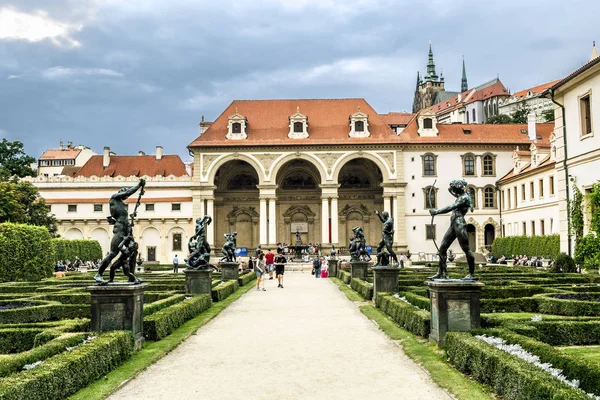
387, 203
396, 217
324, 220
263, 221
334, 221
210, 210
272, 222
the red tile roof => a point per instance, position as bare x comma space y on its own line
535, 89
134, 166
268, 123
527, 170
397, 118
468, 97
58, 154
478, 133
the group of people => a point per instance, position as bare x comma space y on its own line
520, 260
67, 265
267, 264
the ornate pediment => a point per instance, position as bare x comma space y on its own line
427, 123
236, 127
298, 125
359, 125
302, 209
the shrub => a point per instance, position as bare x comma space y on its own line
26, 253
44, 311
164, 303
505, 292
566, 333
418, 301
545, 246
408, 317
511, 377
564, 263
67, 249
523, 304
246, 278
587, 252
165, 321
66, 373
344, 276
365, 289
16, 340
223, 291
550, 305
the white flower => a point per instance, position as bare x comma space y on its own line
31, 366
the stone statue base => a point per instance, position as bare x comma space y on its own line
119, 307
385, 279
359, 269
197, 282
454, 307
230, 271
333, 267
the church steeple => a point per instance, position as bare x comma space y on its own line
594, 51
431, 75
464, 86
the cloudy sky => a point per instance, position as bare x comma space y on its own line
139, 73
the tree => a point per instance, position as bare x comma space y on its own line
499, 119
576, 210
520, 115
548, 115
20, 202
13, 161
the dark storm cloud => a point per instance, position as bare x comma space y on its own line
135, 74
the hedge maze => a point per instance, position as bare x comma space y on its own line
46, 348
528, 316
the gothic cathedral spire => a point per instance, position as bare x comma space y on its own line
431, 75
464, 86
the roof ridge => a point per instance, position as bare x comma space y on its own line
296, 99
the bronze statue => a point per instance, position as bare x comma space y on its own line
387, 238
358, 246
229, 246
457, 229
122, 231
298, 236
198, 246
127, 259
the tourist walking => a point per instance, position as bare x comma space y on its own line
269, 258
175, 264
401, 260
317, 267
259, 269
279, 269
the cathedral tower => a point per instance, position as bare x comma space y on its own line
428, 87
464, 86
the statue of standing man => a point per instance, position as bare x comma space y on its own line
387, 237
120, 219
457, 229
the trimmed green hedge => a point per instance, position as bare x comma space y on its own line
64, 374
550, 305
45, 312
86, 250
17, 340
561, 332
521, 304
365, 289
511, 377
416, 300
505, 292
26, 253
165, 321
344, 276
246, 278
164, 303
541, 246
225, 290
408, 317
586, 371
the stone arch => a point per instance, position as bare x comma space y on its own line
150, 244
283, 160
73, 233
219, 162
349, 217
343, 160
244, 221
103, 237
300, 213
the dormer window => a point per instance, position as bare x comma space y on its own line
236, 128
359, 124
428, 124
298, 125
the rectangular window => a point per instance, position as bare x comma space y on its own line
149, 206
541, 188
532, 228
97, 207
488, 166
551, 225
509, 199
551, 186
503, 230
531, 190
72, 208
515, 190
430, 232
523, 192
469, 165
542, 227
524, 229
176, 207
585, 111
429, 165
177, 242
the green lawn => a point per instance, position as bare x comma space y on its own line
591, 353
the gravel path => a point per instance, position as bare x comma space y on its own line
306, 341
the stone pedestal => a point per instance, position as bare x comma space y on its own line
385, 279
333, 268
510, 263
454, 307
197, 282
230, 271
119, 307
359, 269
451, 265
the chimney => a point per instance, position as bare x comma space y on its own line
531, 120
69, 145
159, 152
141, 153
61, 145
106, 157
459, 97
